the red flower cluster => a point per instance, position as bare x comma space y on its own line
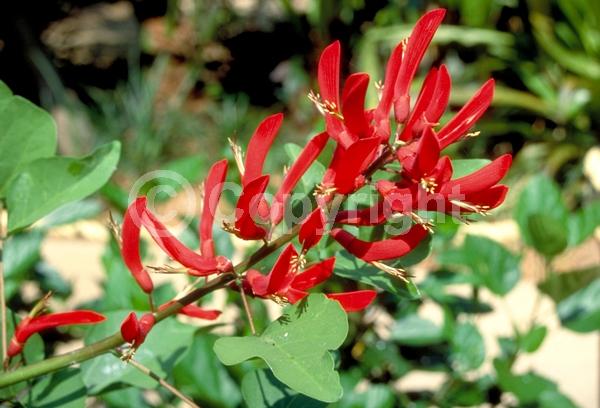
366, 140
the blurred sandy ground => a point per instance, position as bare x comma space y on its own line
572, 360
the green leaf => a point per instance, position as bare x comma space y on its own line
163, 348
375, 396
462, 167
296, 346
547, 234
464, 393
63, 389
201, 375
559, 286
494, 266
71, 212
350, 267
555, 399
580, 312
540, 196
46, 184
526, 387
413, 330
261, 389
21, 253
28, 133
467, 348
583, 223
532, 340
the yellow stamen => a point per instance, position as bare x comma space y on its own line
429, 184
238, 155
478, 209
325, 107
324, 190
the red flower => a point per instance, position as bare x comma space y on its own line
390, 248
427, 182
31, 325
194, 311
349, 121
345, 173
254, 217
130, 246
286, 283
416, 46
197, 264
213, 187
312, 229
134, 331
354, 301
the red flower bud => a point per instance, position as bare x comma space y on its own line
213, 187
312, 229
259, 146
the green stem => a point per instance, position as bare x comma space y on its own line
109, 343
106, 345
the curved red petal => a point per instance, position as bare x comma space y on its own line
312, 229
247, 212
467, 116
314, 275
328, 77
213, 187
52, 320
257, 282
439, 101
354, 301
309, 154
175, 249
382, 112
421, 105
353, 104
130, 247
200, 313
418, 42
369, 216
390, 248
481, 179
350, 163
259, 146
282, 273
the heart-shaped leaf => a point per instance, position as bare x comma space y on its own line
46, 184
296, 347
261, 389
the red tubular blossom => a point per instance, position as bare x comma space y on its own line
284, 282
31, 325
354, 301
194, 311
482, 179
259, 146
441, 95
309, 154
374, 215
417, 44
381, 114
312, 229
328, 77
348, 165
197, 265
130, 246
467, 116
248, 214
353, 104
390, 248
213, 187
